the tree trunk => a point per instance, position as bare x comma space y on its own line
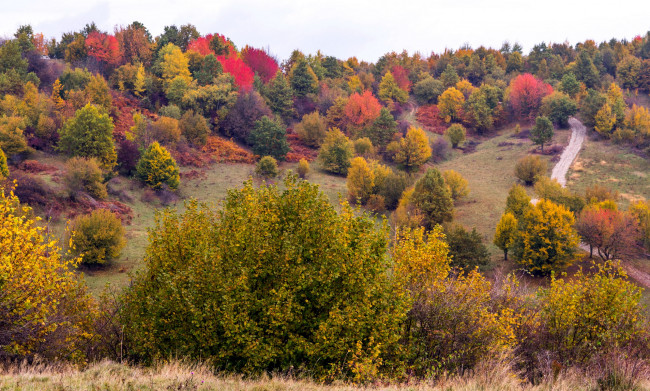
505, 254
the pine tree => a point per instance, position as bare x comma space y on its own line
542, 132
382, 130
280, 97
303, 79
449, 77
269, 137
157, 167
432, 197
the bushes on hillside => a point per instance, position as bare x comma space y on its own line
267, 167
529, 168
269, 137
4, 169
84, 175
157, 168
336, 152
97, 238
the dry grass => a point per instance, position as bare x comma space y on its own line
176, 375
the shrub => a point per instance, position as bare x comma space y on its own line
303, 168
227, 151
165, 130
312, 129
276, 279
551, 190
269, 137
456, 183
392, 188
84, 175
4, 169
360, 181
440, 149
267, 167
171, 111
157, 167
363, 147
466, 249
432, 197
45, 309
194, 128
97, 237
336, 152
376, 203
529, 168
89, 134
456, 134
128, 155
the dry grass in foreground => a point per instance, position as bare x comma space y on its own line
110, 376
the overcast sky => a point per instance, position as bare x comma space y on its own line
344, 28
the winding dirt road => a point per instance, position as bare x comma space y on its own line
578, 133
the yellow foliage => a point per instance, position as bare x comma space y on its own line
456, 183
413, 150
360, 181
465, 87
450, 103
638, 119
605, 120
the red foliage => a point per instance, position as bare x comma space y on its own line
526, 93
36, 167
613, 233
201, 45
637, 39
122, 114
361, 110
429, 118
103, 47
227, 151
239, 70
298, 149
260, 62
401, 77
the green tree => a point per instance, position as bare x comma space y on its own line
456, 134
627, 71
547, 239
449, 76
586, 71
529, 168
413, 150
84, 175
479, 108
312, 129
570, 84
382, 130
389, 91
89, 134
514, 63
210, 69
157, 167
558, 107
433, 198
98, 237
212, 100
280, 97
518, 201
194, 127
506, 233
590, 105
427, 90
466, 248
269, 137
303, 79
336, 152
542, 132
275, 279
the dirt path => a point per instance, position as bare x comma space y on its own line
578, 132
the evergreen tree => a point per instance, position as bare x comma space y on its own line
586, 71
542, 132
280, 97
269, 137
433, 198
389, 91
303, 79
157, 168
570, 84
449, 77
382, 130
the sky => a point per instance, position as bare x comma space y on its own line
344, 28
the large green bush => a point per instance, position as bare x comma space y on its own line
276, 279
157, 167
97, 237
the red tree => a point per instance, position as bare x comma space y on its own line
260, 62
103, 47
361, 110
201, 45
401, 77
613, 233
238, 69
526, 94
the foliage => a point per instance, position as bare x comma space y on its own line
450, 104
637, 119
413, 150
194, 128
570, 85
456, 134
590, 105
641, 211
525, 95
542, 132
267, 167
558, 107
97, 238
518, 201
213, 100
336, 152
360, 181
218, 285
529, 168
392, 187
604, 120
363, 147
157, 168
172, 63
433, 199
4, 169
312, 129
466, 249
165, 130
84, 175
457, 184
427, 90
46, 311
382, 130
547, 240
303, 79
260, 62
227, 151
269, 137
236, 67
506, 233
551, 190
89, 134
627, 71
103, 47
614, 233
390, 91
12, 139
248, 108
360, 111
280, 97
303, 168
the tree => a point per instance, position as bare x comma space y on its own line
382, 130
427, 90
312, 129
4, 169
518, 201
280, 97
604, 120
413, 150
135, 44
212, 100
506, 232
617, 103
248, 108
276, 279
614, 233
260, 62
638, 119
570, 85
590, 105
267, 167
558, 107
84, 175
547, 239
627, 71
450, 104
98, 237
542, 132
210, 68
525, 95
389, 91
360, 111
336, 152
550, 189
12, 139
103, 47
172, 63
586, 71
269, 137
456, 134
433, 199
157, 168
45, 308
529, 168
194, 128
515, 63
457, 184
303, 168
235, 66
449, 76
466, 249
303, 79
360, 181
480, 111
89, 134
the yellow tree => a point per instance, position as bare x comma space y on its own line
638, 119
4, 169
173, 63
450, 103
616, 102
413, 150
506, 232
605, 120
360, 181
389, 91
138, 83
